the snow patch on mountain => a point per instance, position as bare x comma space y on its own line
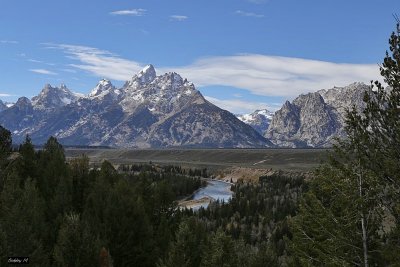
54, 97
259, 119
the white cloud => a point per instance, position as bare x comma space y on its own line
275, 76
238, 106
43, 71
130, 12
99, 62
5, 95
248, 14
178, 17
8, 42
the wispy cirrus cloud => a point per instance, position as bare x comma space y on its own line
248, 14
6, 95
259, 74
257, 1
129, 12
34, 60
8, 42
43, 71
98, 62
178, 17
275, 76
40, 62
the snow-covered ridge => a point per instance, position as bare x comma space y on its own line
259, 119
54, 97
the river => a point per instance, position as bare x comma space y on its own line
214, 190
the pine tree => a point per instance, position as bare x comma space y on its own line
127, 227
80, 182
52, 167
188, 246
220, 252
28, 161
5, 142
5, 149
76, 245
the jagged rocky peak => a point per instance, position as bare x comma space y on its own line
172, 81
54, 97
315, 119
103, 88
147, 74
345, 97
164, 94
23, 101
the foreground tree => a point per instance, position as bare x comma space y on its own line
353, 206
189, 242
76, 246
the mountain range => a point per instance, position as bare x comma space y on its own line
168, 111
148, 111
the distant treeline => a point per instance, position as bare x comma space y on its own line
193, 172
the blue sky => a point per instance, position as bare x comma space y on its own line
241, 54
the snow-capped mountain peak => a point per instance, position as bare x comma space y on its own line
259, 119
251, 117
162, 94
102, 88
147, 74
54, 97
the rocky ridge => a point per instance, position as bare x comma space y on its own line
315, 119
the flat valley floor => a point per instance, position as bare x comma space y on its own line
212, 159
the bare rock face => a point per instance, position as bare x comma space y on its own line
315, 119
148, 111
3, 106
